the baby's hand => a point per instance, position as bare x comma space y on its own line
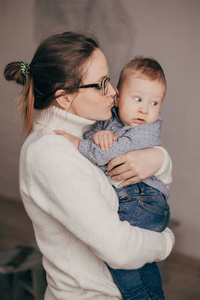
104, 139
73, 139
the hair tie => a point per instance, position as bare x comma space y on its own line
25, 67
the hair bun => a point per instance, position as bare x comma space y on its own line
13, 72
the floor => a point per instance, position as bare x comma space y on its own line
181, 275
183, 278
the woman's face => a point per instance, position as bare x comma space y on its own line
90, 103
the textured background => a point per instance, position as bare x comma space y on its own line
168, 31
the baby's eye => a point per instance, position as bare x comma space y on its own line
154, 103
137, 99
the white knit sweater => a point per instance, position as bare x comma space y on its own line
74, 213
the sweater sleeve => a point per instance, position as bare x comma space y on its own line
132, 138
66, 186
165, 172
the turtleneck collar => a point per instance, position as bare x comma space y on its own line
55, 118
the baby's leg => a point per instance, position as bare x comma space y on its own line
152, 280
145, 207
130, 284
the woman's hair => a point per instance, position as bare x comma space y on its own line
143, 67
57, 64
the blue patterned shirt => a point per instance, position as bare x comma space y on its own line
129, 139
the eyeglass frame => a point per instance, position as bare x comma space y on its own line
97, 84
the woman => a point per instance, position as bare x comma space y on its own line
69, 200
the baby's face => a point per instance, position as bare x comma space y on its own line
139, 100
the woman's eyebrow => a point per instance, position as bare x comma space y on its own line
103, 77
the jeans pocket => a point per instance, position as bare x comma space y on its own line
153, 216
127, 208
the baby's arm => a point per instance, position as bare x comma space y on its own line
131, 138
73, 139
101, 137
104, 139
97, 127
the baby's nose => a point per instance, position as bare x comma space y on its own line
144, 109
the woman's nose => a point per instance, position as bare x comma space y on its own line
111, 90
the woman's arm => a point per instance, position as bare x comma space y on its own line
138, 165
66, 186
165, 172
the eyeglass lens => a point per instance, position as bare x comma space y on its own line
106, 85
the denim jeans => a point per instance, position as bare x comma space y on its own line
145, 207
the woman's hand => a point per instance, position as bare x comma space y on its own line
135, 166
73, 139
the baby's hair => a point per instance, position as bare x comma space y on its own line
143, 67
58, 64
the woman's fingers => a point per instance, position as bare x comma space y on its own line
131, 180
115, 162
118, 170
126, 167
126, 176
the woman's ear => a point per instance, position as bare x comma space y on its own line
116, 97
63, 100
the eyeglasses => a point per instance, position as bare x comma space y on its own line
104, 85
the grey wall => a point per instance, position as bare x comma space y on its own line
165, 29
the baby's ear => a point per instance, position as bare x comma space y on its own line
116, 97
